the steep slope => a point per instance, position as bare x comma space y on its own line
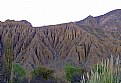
81, 43
106, 28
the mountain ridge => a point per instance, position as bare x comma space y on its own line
81, 43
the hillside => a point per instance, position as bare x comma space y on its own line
82, 43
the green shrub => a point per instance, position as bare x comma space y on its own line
71, 71
18, 73
108, 71
42, 72
18, 70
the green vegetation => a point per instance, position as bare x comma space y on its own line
18, 73
108, 71
8, 56
18, 70
42, 72
13, 72
71, 72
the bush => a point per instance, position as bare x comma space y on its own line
42, 73
18, 70
108, 71
73, 73
18, 73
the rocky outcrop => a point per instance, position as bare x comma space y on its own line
81, 43
26, 22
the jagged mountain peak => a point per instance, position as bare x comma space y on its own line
89, 17
88, 21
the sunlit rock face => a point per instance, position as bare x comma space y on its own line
81, 43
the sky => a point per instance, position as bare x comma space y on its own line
51, 12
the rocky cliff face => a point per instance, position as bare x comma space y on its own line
81, 43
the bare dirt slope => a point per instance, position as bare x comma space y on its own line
81, 43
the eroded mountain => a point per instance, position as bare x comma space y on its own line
81, 43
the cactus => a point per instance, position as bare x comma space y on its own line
8, 55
